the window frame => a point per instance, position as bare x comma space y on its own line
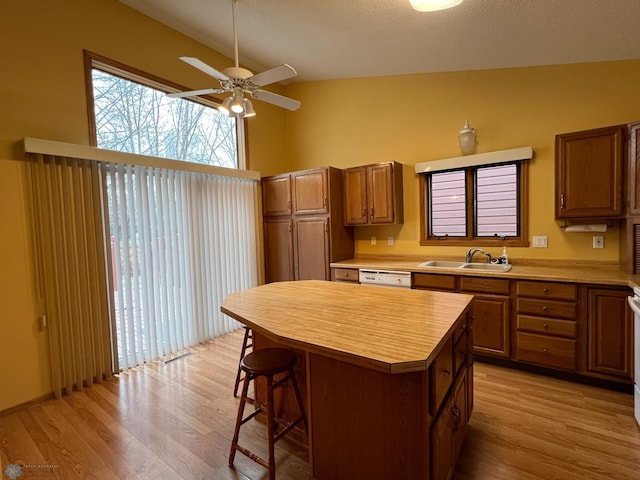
93, 60
522, 240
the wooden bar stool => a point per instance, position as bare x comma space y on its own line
245, 344
267, 362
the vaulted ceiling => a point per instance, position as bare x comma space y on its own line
328, 39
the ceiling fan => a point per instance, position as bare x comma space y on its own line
242, 83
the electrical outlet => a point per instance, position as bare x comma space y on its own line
373, 240
598, 241
389, 240
540, 241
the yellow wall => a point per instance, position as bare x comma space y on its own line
416, 118
42, 94
341, 123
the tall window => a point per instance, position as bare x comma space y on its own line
180, 240
131, 113
480, 205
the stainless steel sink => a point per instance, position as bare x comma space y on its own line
485, 267
490, 267
441, 264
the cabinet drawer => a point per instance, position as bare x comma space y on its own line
553, 290
441, 373
545, 350
547, 326
346, 275
494, 286
434, 281
460, 350
547, 308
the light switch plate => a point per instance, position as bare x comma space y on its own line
540, 241
373, 240
389, 240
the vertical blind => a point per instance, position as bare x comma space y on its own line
135, 255
68, 226
181, 241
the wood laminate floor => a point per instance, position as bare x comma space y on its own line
175, 421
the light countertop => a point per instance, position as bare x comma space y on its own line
553, 270
391, 330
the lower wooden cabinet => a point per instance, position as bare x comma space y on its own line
278, 249
546, 324
546, 350
609, 334
491, 313
451, 385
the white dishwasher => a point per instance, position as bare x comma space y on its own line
634, 303
385, 278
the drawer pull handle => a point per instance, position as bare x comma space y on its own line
446, 371
544, 307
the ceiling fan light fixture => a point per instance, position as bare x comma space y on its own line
433, 5
236, 101
248, 108
225, 106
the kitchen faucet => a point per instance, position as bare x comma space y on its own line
472, 251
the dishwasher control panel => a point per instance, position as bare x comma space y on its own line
387, 278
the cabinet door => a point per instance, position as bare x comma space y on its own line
278, 249
491, 325
311, 254
276, 195
589, 168
633, 182
310, 192
442, 446
355, 196
380, 193
609, 333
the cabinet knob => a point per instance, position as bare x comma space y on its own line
545, 290
544, 307
371, 212
544, 350
545, 325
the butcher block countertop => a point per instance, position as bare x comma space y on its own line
391, 330
599, 273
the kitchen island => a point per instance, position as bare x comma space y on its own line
387, 372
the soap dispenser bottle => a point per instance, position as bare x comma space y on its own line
504, 259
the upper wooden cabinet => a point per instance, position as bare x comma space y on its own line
373, 194
276, 195
589, 173
633, 166
609, 334
303, 228
310, 190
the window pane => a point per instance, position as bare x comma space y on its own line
497, 201
134, 118
447, 204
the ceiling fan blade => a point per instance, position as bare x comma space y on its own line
193, 93
275, 99
203, 67
273, 75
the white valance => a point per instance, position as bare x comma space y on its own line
489, 158
72, 150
